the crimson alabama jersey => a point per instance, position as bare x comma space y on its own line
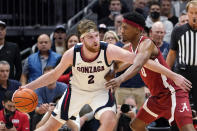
156, 82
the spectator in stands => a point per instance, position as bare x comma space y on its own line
157, 33
10, 53
71, 40
154, 16
101, 8
46, 96
35, 63
125, 113
140, 7
59, 39
117, 24
111, 37
6, 83
166, 10
102, 30
179, 6
183, 19
115, 9
10, 118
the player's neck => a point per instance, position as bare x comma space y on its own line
135, 42
88, 54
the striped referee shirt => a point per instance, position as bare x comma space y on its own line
184, 41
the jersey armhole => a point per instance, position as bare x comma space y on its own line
77, 48
104, 47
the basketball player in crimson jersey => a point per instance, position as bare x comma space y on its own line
167, 99
90, 62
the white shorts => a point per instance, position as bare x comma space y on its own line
73, 100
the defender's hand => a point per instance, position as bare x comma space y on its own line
182, 82
113, 84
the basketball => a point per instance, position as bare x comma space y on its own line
25, 100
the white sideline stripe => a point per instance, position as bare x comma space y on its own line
149, 111
173, 98
173, 95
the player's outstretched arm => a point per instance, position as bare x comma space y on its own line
179, 80
52, 76
137, 60
145, 51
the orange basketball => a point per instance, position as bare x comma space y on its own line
25, 100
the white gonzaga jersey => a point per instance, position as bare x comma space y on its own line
89, 75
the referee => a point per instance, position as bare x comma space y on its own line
183, 48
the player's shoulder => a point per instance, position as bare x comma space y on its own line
77, 47
145, 39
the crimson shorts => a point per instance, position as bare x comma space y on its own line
172, 106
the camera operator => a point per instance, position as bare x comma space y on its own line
125, 113
10, 118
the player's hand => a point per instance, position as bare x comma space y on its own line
51, 107
113, 84
43, 108
183, 83
21, 87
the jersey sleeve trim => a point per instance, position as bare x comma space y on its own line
104, 47
77, 48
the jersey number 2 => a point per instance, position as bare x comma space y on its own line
91, 79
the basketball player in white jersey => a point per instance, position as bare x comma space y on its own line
90, 62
